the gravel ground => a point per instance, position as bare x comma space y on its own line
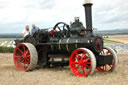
60, 76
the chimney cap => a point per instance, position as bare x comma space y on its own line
87, 1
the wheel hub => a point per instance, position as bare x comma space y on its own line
81, 62
98, 45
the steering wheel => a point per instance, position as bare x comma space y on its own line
63, 29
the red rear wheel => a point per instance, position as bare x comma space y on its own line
82, 62
106, 67
23, 57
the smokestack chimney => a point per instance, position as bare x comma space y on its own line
88, 15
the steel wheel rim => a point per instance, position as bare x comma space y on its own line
106, 67
21, 57
80, 64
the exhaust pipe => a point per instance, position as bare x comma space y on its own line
88, 16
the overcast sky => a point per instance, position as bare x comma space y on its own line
15, 14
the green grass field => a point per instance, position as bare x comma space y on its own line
108, 42
6, 49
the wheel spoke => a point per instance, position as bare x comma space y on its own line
78, 66
105, 68
110, 66
59, 28
83, 70
78, 56
27, 57
27, 52
20, 51
74, 63
88, 62
27, 64
108, 53
87, 66
103, 52
18, 56
24, 49
82, 57
20, 62
24, 65
78, 69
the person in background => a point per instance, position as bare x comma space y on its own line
34, 29
26, 31
79, 25
77, 21
70, 22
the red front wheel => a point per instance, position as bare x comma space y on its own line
82, 62
106, 67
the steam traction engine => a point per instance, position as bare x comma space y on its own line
66, 45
